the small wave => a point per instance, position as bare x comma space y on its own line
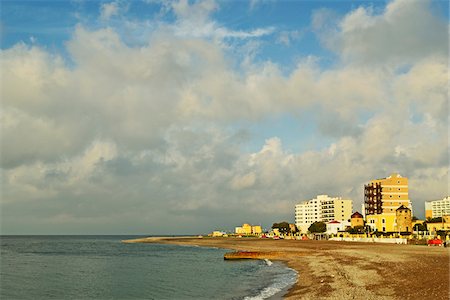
268, 262
280, 284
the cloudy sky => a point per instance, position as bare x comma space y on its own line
181, 117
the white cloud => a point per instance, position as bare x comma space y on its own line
244, 181
108, 10
194, 20
149, 133
403, 33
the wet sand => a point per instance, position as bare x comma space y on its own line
347, 270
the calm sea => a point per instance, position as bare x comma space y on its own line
101, 267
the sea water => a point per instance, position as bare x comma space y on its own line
101, 267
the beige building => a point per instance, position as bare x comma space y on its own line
403, 220
437, 208
382, 197
322, 209
248, 229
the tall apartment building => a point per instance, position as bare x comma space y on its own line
382, 197
322, 209
437, 208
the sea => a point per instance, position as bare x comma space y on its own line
102, 267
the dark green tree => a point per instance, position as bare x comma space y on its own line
317, 227
356, 229
283, 227
434, 220
420, 227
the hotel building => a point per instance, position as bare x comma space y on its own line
437, 208
382, 198
322, 209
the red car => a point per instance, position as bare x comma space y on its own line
435, 242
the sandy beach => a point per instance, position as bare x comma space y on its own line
347, 270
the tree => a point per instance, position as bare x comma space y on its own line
434, 220
317, 227
283, 227
356, 229
420, 227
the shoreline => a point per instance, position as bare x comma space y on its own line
344, 270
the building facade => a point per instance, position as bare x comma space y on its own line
333, 227
322, 209
437, 208
356, 220
247, 229
382, 197
444, 224
403, 220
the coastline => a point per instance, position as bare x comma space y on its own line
344, 270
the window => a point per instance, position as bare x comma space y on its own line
383, 221
384, 228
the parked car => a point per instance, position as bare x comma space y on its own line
435, 242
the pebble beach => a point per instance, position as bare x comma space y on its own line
345, 270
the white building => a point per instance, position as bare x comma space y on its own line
322, 209
334, 226
437, 208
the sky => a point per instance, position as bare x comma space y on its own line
184, 117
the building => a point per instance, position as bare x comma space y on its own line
356, 219
444, 224
382, 197
333, 227
248, 229
403, 219
218, 233
256, 229
437, 208
322, 209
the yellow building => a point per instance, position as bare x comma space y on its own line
256, 229
443, 225
382, 197
356, 220
248, 229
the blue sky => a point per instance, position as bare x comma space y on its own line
118, 115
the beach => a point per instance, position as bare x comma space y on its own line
345, 270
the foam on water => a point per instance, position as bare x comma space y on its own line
268, 262
280, 283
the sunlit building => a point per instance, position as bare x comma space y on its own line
322, 209
247, 229
382, 198
437, 208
